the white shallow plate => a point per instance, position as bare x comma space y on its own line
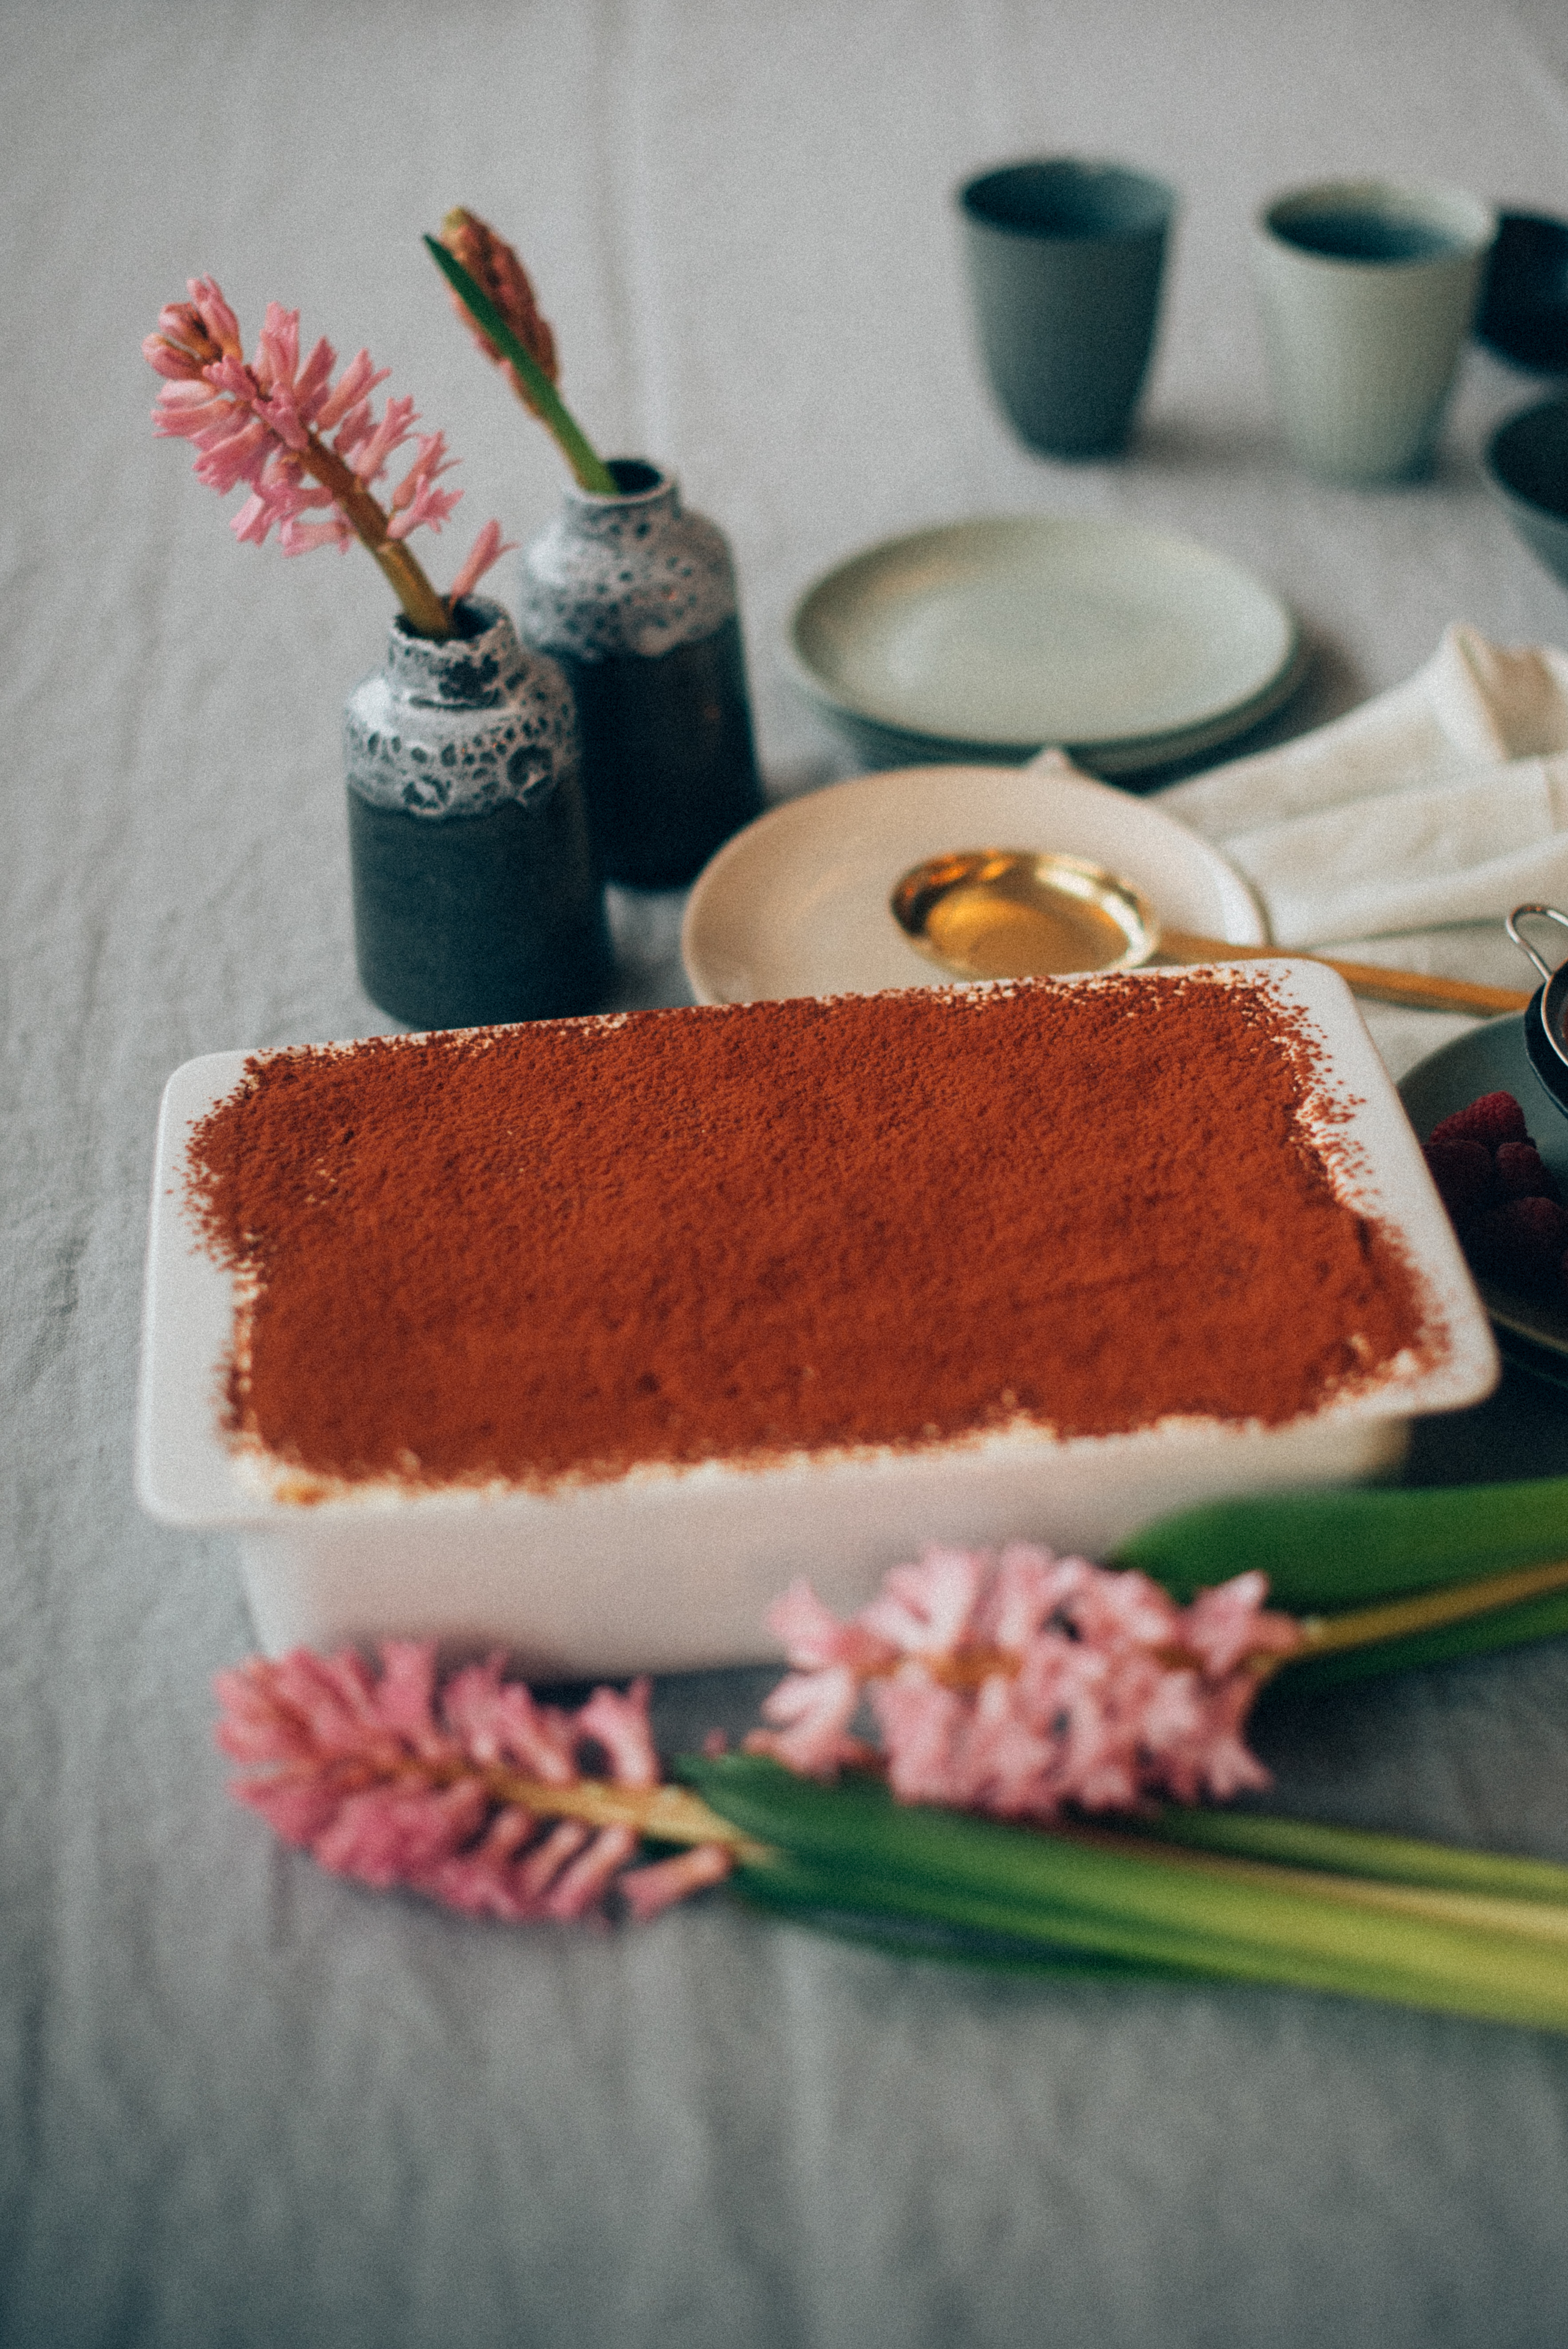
673, 1569
996, 637
798, 904
1493, 1060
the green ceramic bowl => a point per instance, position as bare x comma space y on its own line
1527, 468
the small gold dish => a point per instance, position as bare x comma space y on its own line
1013, 912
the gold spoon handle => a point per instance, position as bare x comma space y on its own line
1417, 989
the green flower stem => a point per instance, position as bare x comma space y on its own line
590, 470
1443, 1608
1479, 1635
1543, 1920
425, 611
851, 1849
1328, 1550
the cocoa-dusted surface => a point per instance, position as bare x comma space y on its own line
578, 1245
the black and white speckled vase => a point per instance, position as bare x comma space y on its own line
636, 599
475, 893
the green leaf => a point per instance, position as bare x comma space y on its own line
1327, 1550
808, 1897
1390, 1859
1124, 1898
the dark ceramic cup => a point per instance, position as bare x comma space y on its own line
1065, 260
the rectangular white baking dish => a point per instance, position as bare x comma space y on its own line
669, 1569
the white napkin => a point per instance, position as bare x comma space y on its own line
1444, 800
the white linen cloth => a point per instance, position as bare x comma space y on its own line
1443, 800
244, 2104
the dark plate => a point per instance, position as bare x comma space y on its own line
1491, 1060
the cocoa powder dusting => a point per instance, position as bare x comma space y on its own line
577, 1246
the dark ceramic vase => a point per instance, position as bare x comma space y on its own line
636, 599
475, 894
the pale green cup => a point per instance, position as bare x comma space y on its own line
1368, 288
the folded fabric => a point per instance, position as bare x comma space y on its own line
1443, 800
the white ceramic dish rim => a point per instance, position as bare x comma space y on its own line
669, 1570
188, 1475
1044, 806
1204, 726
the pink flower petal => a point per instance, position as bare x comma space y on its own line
563, 1840
277, 351
297, 1809
207, 300
583, 1886
648, 1891
487, 548
1230, 1622
369, 458
922, 1724
169, 361
303, 537
393, 1835
620, 1724
927, 1610
404, 1698
353, 388
811, 1714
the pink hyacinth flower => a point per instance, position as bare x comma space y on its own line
389, 1779
810, 1712
279, 427
1024, 1684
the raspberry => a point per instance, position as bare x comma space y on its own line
1523, 1174
1522, 1242
1494, 1118
1462, 1172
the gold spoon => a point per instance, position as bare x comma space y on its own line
1015, 913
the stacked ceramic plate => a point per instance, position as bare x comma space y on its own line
986, 641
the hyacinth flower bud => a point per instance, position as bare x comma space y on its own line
493, 265
195, 335
181, 345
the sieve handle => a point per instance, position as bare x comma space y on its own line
1547, 914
